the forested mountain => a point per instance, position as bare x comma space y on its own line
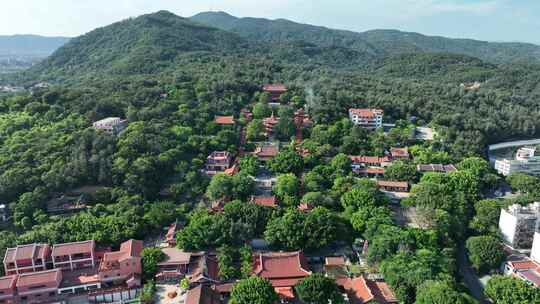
375, 42
29, 45
146, 44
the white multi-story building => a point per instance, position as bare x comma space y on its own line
517, 224
524, 162
112, 125
367, 118
535, 250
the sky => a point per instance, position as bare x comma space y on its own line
492, 20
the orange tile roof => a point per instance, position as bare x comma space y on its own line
382, 292
202, 294
27, 252
383, 183
399, 152
367, 113
266, 151
266, 201
274, 88
285, 292
371, 170
281, 268
132, 247
524, 264
369, 159
224, 120
8, 282
357, 289
40, 278
73, 248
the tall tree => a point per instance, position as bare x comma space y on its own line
253, 290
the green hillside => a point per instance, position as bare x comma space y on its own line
146, 44
376, 42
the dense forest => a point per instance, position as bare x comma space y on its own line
170, 76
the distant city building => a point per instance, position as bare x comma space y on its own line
275, 91
111, 125
218, 161
525, 162
367, 118
517, 225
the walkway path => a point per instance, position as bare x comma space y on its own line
471, 280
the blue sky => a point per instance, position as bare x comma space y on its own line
493, 20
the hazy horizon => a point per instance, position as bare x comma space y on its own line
488, 20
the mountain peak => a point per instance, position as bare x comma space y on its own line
146, 44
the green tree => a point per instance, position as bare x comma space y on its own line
318, 289
486, 219
400, 171
287, 161
255, 130
287, 188
226, 261
250, 165
438, 292
253, 290
221, 186
151, 256
341, 165
261, 110
285, 128
485, 253
524, 183
511, 290
204, 231
243, 185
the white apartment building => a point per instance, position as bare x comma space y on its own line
517, 225
535, 250
111, 125
524, 162
367, 118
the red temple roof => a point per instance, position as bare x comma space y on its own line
224, 120
369, 159
266, 201
283, 269
275, 88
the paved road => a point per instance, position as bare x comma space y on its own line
470, 278
516, 143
